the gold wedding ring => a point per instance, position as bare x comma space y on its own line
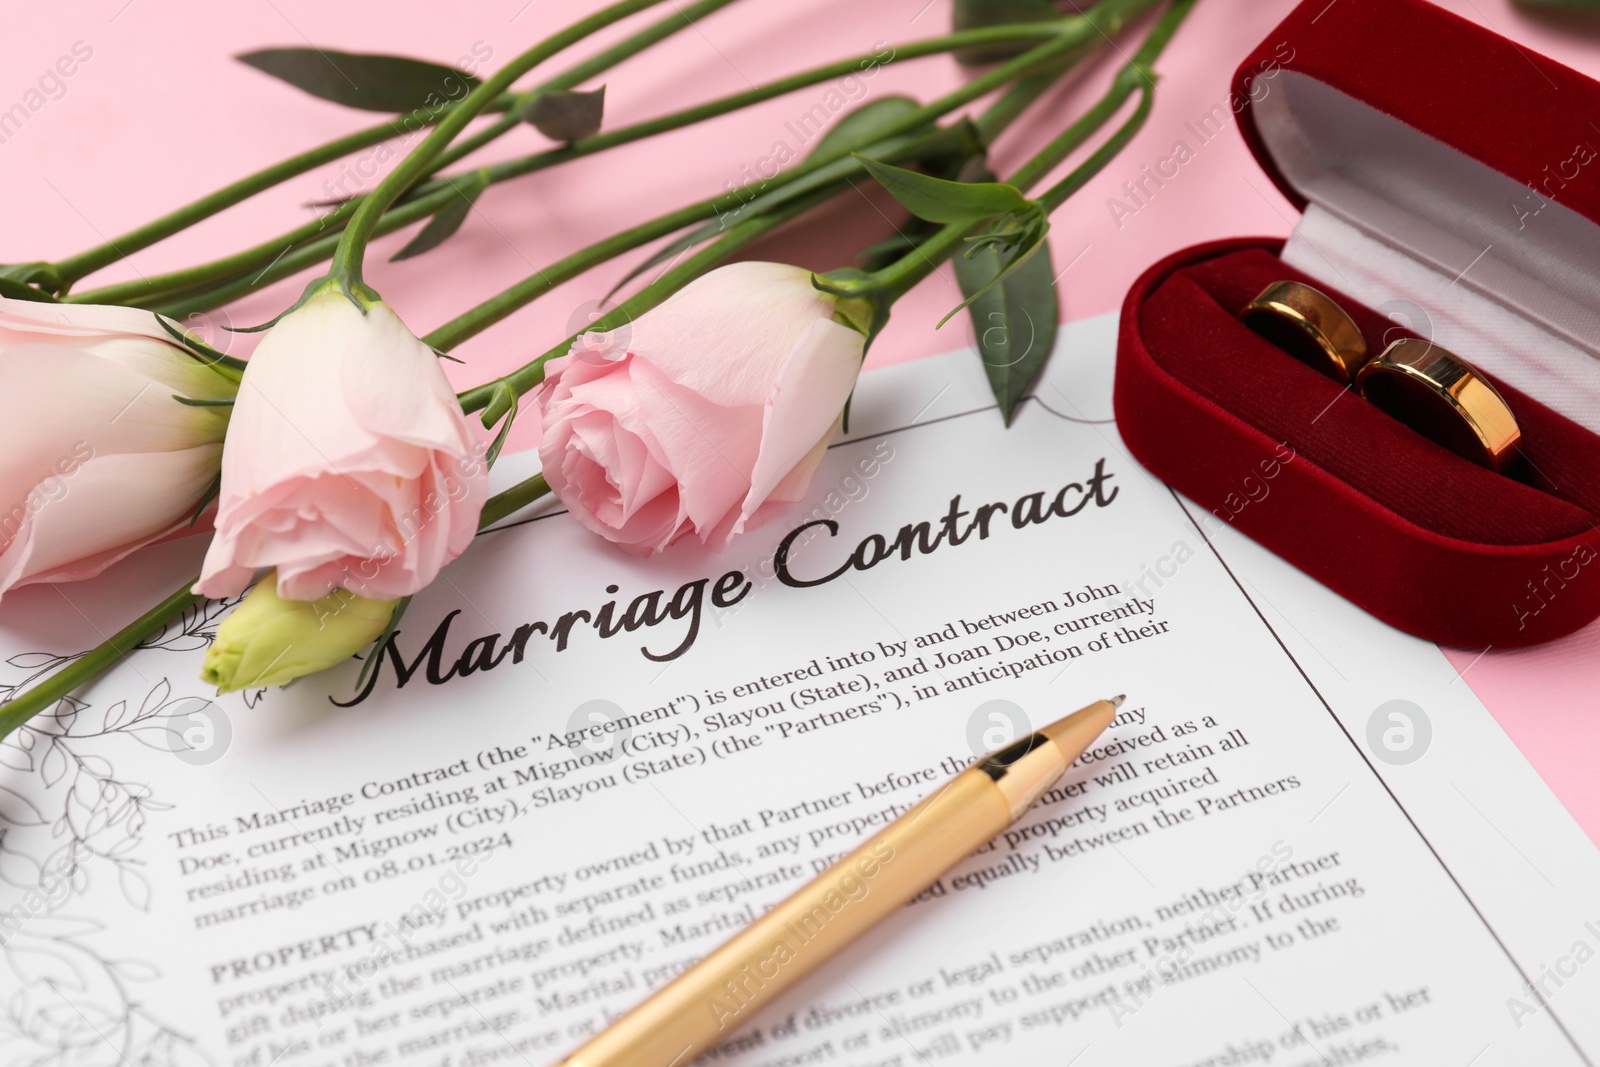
1444, 398
1308, 325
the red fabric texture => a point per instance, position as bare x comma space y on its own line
1419, 537
1422, 539
1487, 97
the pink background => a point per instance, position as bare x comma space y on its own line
160, 114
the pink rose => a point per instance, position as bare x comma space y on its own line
349, 463
96, 457
704, 415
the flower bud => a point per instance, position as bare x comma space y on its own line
268, 641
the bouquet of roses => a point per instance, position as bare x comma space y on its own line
337, 472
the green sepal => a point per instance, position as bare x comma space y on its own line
947, 202
364, 80
1021, 230
861, 300
215, 402
846, 282
210, 494
503, 404
375, 653
862, 303
200, 350
566, 114
1014, 309
447, 220
360, 294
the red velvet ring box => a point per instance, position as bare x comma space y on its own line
1450, 188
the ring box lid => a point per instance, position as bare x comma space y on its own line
1398, 122
1447, 178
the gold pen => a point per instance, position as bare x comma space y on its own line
712, 999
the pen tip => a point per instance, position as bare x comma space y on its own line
1117, 700
1077, 731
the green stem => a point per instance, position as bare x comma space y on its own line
779, 87
189, 281
92, 664
347, 258
599, 64
90, 260
1109, 15
1057, 194
1136, 76
192, 282
739, 235
901, 275
180, 303
512, 500
480, 317
1061, 37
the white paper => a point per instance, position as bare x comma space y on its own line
425, 877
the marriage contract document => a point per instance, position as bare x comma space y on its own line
573, 772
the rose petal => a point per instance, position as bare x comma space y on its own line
65, 539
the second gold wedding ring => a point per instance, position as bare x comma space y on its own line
1306, 323
1444, 398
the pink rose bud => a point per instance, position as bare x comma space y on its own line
98, 458
705, 415
349, 463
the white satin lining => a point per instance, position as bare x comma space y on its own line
1454, 250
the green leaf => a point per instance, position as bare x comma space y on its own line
866, 124
195, 402
566, 115
943, 201
976, 14
1014, 311
1013, 255
446, 222
370, 82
